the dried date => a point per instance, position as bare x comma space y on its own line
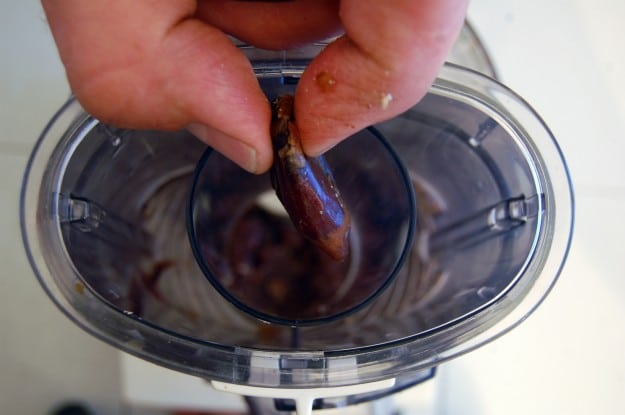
306, 187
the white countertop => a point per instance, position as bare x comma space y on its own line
564, 57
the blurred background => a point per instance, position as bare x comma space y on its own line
564, 57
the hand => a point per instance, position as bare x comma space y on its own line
166, 64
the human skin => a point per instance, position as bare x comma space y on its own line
163, 64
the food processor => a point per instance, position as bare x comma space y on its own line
480, 228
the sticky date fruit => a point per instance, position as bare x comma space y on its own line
306, 187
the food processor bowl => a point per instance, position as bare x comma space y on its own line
103, 222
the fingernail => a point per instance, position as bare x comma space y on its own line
236, 150
318, 150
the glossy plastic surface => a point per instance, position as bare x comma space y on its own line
103, 220
248, 248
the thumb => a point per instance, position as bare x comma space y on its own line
153, 65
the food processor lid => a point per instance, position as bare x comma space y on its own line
243, 242
314, 367
46, 210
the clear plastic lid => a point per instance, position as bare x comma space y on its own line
250, 251
103, 221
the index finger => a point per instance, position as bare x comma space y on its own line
386, 61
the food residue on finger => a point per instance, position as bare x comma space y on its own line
325, 81
385, 100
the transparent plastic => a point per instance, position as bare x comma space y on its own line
103, 221
249, 249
